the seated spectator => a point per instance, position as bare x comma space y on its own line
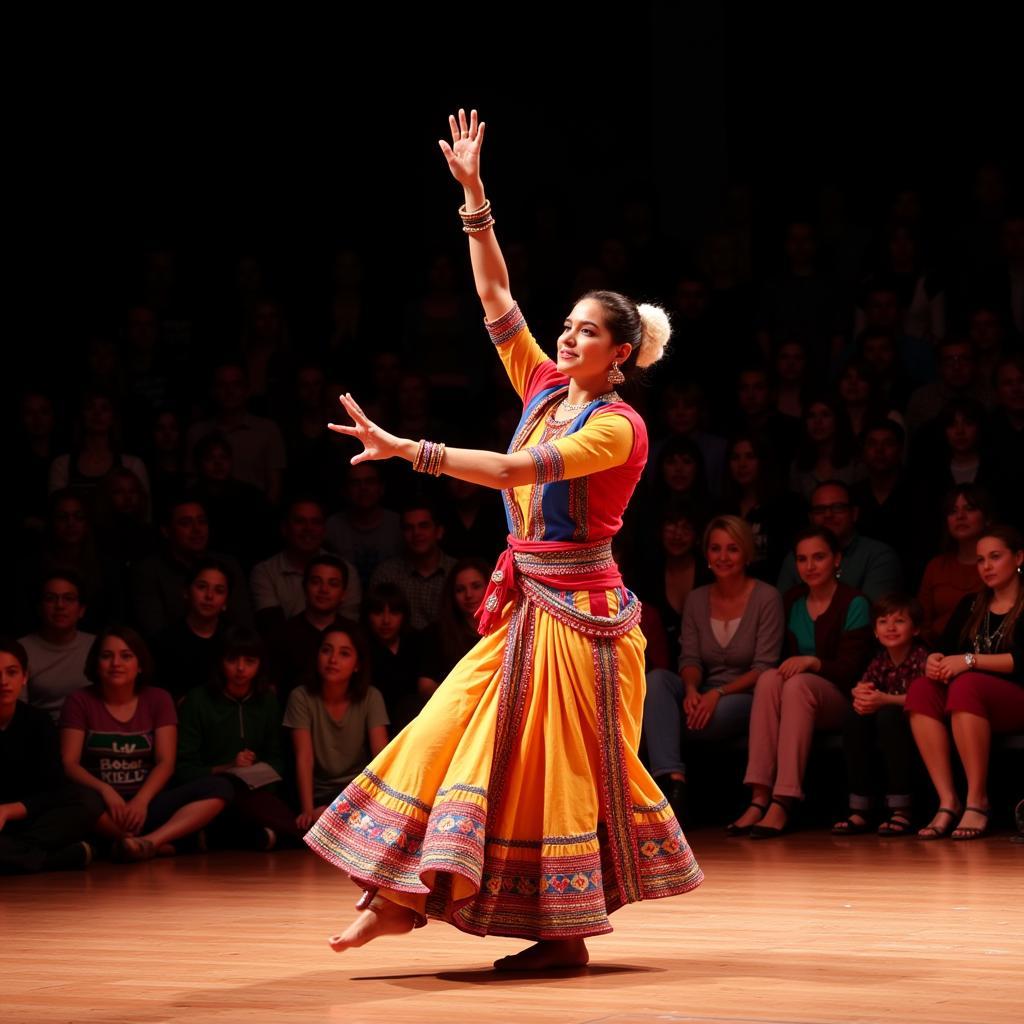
69, 544
166, 457
876, 722
30, 452
883, 315
364, 533
858, 402
673, 569
423, 566
96, 449
338, 722
825, 451
952, 450
890, 380
1007, 437
753, 492
731, 633
757, 416
124, 531
656, 652
866, 564
43, 819
242, 522
186, 652
790, 378
293, 645
57, 651
455, 631
256, 442
979, 686
678, 475
397, 657
119, 737
827, 646
886, 509
160, 582
231, 726
684, 414
474, 521
957, 379
277, 582
952, 575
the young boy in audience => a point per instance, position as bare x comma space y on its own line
876, 718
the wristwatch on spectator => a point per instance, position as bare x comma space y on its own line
970, 660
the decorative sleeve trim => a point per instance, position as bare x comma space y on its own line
548, 460
507, 326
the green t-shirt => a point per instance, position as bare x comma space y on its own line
801, 624
341, 750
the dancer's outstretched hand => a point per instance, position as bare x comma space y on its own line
463, 155
377, 443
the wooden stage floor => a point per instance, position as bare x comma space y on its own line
808, 928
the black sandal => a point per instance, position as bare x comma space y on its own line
732, 829
934, 832
767, 831
962, 832
897, 824
849, 827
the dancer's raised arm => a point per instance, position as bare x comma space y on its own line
489, 270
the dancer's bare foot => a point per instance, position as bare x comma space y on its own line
546, 955
382, 917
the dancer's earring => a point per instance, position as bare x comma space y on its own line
615, 375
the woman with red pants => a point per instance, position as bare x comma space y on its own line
980, 690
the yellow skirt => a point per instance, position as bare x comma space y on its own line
507, 830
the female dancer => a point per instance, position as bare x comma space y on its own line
515, 804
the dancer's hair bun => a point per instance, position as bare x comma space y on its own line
655, 334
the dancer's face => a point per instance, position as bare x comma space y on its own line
586, 348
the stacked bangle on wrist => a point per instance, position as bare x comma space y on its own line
476, 220
429, 456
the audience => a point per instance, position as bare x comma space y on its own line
857, 383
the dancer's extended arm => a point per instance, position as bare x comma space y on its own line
489, 270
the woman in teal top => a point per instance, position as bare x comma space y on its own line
828, 642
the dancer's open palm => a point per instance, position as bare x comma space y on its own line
463, 155
377, 443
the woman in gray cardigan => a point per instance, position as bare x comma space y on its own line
732, 631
